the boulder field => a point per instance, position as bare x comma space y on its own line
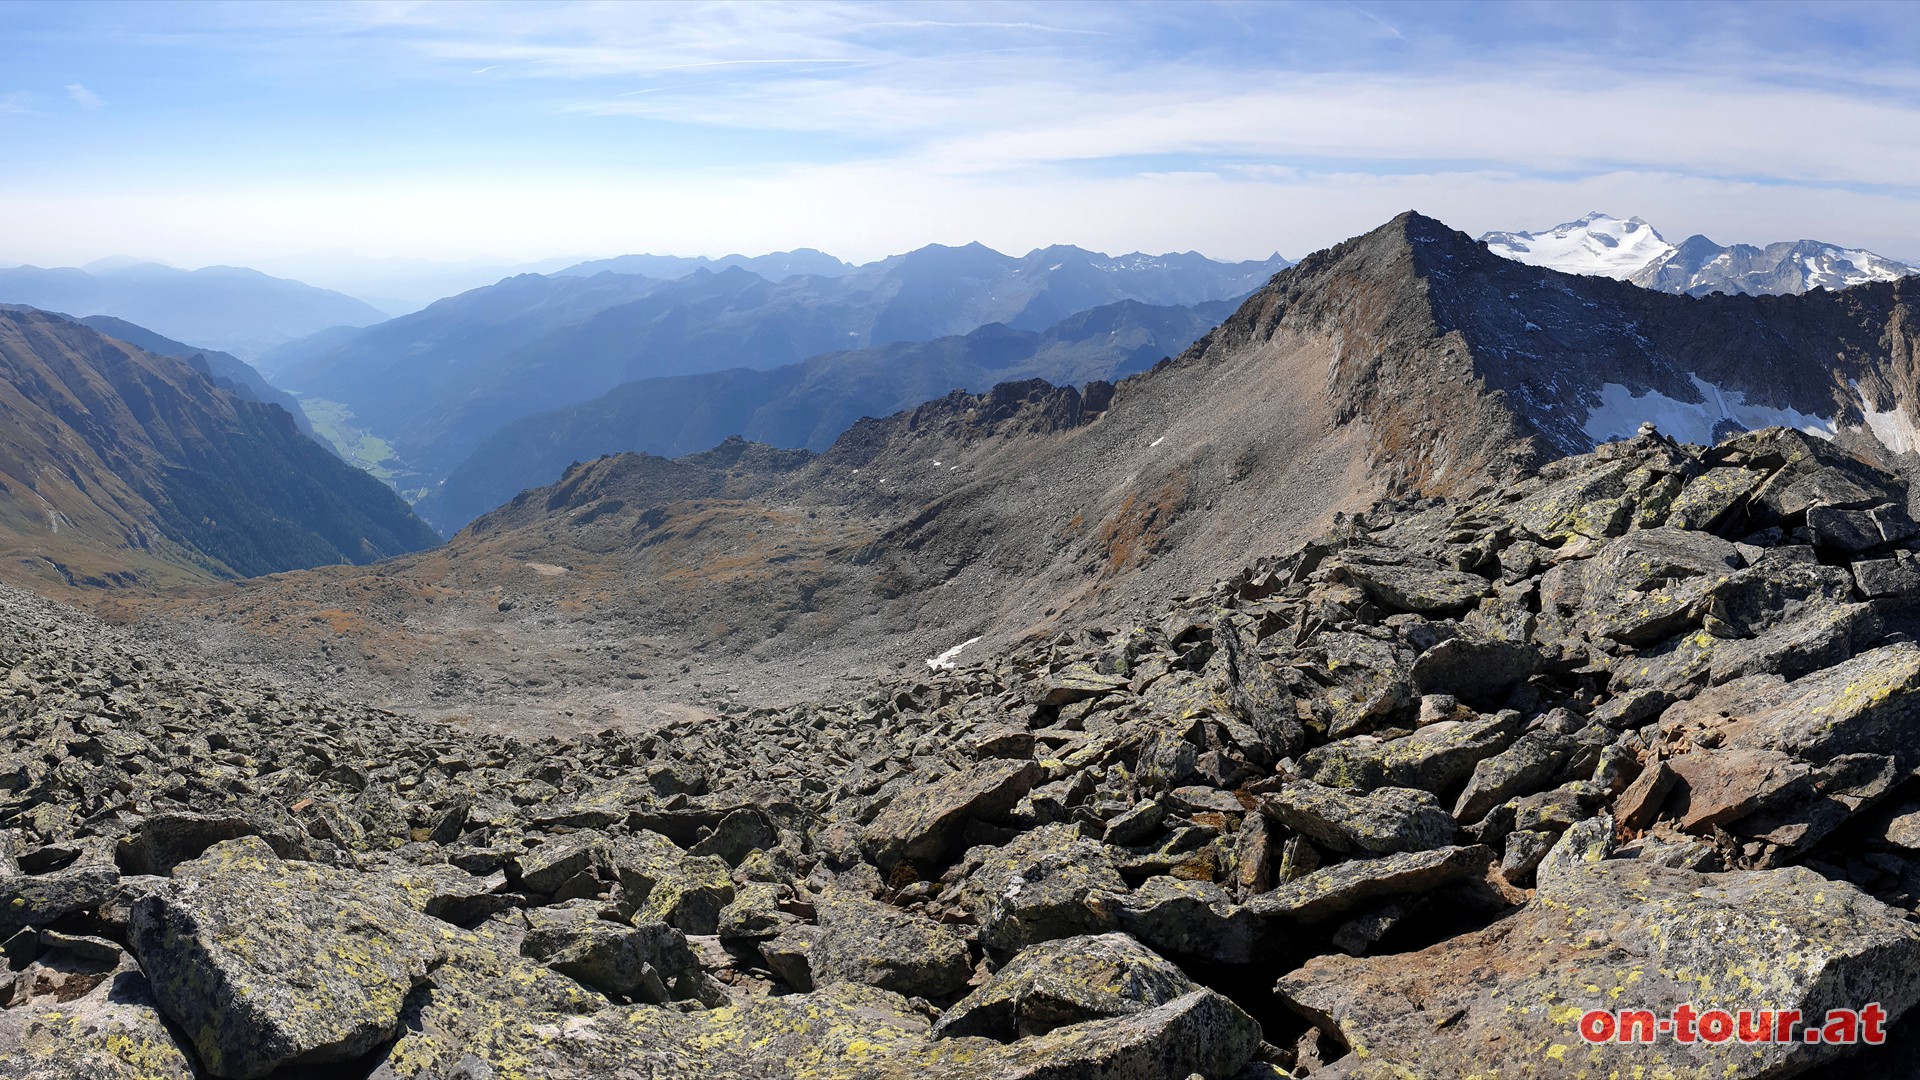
1409, 800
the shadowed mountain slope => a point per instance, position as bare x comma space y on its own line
228, 371
118, 466
437, 383
1410, 363
808, 404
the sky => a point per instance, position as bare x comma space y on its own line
308, 139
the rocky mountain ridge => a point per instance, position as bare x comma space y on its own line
120, 467
1437, 369
808, 405
436, 383
228, 371
1405, 799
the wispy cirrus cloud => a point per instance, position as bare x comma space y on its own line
83, 97
867, 127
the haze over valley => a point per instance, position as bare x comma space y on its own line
980, 540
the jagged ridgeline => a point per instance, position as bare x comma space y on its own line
124, 467
1410, 361
1404, 800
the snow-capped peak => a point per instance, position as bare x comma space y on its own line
1598, 244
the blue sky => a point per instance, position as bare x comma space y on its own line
298, 137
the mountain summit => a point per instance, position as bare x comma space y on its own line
1631, 250
1597, 244
1410, 362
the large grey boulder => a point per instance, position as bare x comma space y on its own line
1066, 981
1194, 920
922, 824
662, 883
1338, 889
264, 963
113, 1033
1639, 937
1418, 589
864, 941
1434, 757
1383, 820
1048, 883
646, 962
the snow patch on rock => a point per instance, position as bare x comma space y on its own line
945, 661
1894, 428
1620, 414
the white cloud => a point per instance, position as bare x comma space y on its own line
18, 103
83, 97
1015, 124
865, 211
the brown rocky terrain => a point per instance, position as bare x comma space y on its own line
1405, 799
1407, 362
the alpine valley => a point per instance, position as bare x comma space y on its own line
973, 666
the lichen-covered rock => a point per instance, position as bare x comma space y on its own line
865, 941
648, 962
1434, 757
662, 883
1528, 765
1620, 934
754, 913
38, 899
163, 841
1386, 819
1421, 590
1066, 981
1338, 889
1076, 682
1476, 670
113, 1033
742, 831
1867, 704
1195, 920
1049, 883
264, 963
576, 859
922, 824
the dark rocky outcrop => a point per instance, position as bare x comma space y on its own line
1254, 830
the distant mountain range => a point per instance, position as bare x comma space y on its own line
119, 466
228, 308
1016, 513
435, 384
810, 403
1632, 250
777, 266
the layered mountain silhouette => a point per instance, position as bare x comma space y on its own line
227, 308
1407, 363
437, 383
228, 371
810, 403
1632, 250
122, 467
777, 266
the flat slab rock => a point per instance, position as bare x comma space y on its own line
1507, 1000
922, 824
1338, 889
